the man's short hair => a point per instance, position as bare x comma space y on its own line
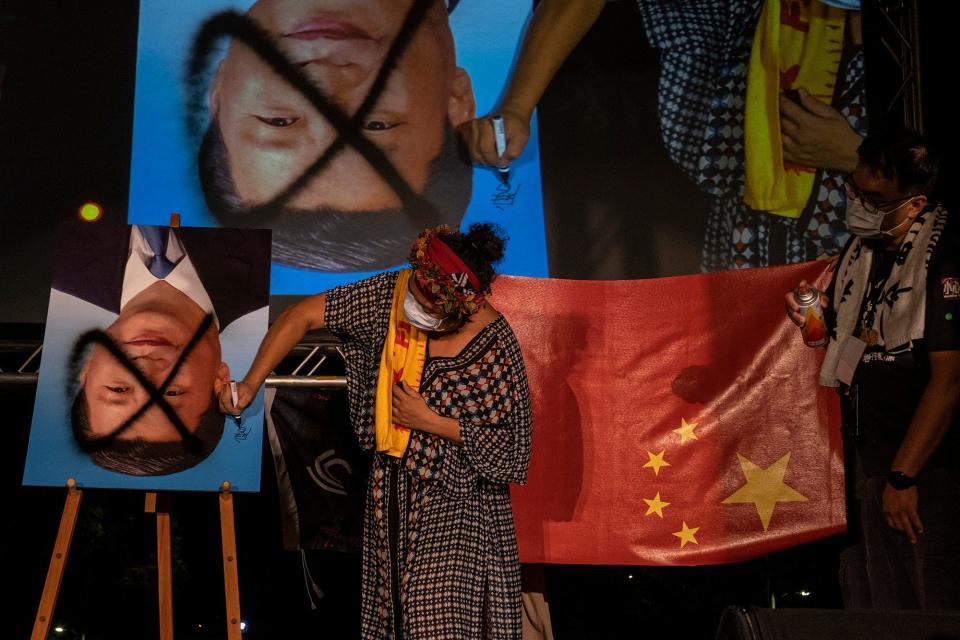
328, 239
903, 156
137, 457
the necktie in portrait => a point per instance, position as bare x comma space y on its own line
157, 238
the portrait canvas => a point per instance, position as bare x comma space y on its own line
146, 326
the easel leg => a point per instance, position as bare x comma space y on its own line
231, 583
160, 505
58, 561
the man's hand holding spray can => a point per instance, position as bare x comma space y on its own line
808, 307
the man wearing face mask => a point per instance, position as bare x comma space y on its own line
438, 392
894, 353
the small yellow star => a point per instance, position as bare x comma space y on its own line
687, 534
765, 488
656, 461
655, 506
686, 431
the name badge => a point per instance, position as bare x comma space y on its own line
849, 359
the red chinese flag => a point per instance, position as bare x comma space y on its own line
678, 421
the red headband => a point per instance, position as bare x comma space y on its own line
444, 276
450, 264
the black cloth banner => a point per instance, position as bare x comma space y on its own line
321, 471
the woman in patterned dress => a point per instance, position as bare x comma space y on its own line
439, 551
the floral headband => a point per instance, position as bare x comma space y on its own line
442, 275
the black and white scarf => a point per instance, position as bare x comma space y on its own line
901, 310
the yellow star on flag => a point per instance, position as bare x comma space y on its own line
765, 488
685, 431
656, 461
655, 506
687, 534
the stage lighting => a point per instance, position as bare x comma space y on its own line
90, 211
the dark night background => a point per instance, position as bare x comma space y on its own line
67, 78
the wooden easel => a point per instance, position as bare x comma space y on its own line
51, 586
158, 504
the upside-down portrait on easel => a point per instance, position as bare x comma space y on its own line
144, 326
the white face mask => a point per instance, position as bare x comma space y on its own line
417, 315
868, 225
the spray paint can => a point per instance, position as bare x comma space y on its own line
814, 329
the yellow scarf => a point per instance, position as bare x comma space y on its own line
404, 352
798, 43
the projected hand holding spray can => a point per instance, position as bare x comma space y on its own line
814, 328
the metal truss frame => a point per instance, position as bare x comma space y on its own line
899, 36
303, 367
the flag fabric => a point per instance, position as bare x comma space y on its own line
677, 421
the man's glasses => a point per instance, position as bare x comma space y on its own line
872, 205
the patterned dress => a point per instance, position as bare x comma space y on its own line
739, 237
706, 47
439, 544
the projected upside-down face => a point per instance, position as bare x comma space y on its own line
272, 133
153, 331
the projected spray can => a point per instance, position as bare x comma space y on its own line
814, 329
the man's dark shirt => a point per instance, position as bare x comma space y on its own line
887, 388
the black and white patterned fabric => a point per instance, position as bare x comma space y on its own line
454, 559
363, 336
900, 317
824, 221
706, 47
739, 237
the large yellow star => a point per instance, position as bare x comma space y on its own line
685, 431
656, 461
687, 534
655, 506
765, 488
